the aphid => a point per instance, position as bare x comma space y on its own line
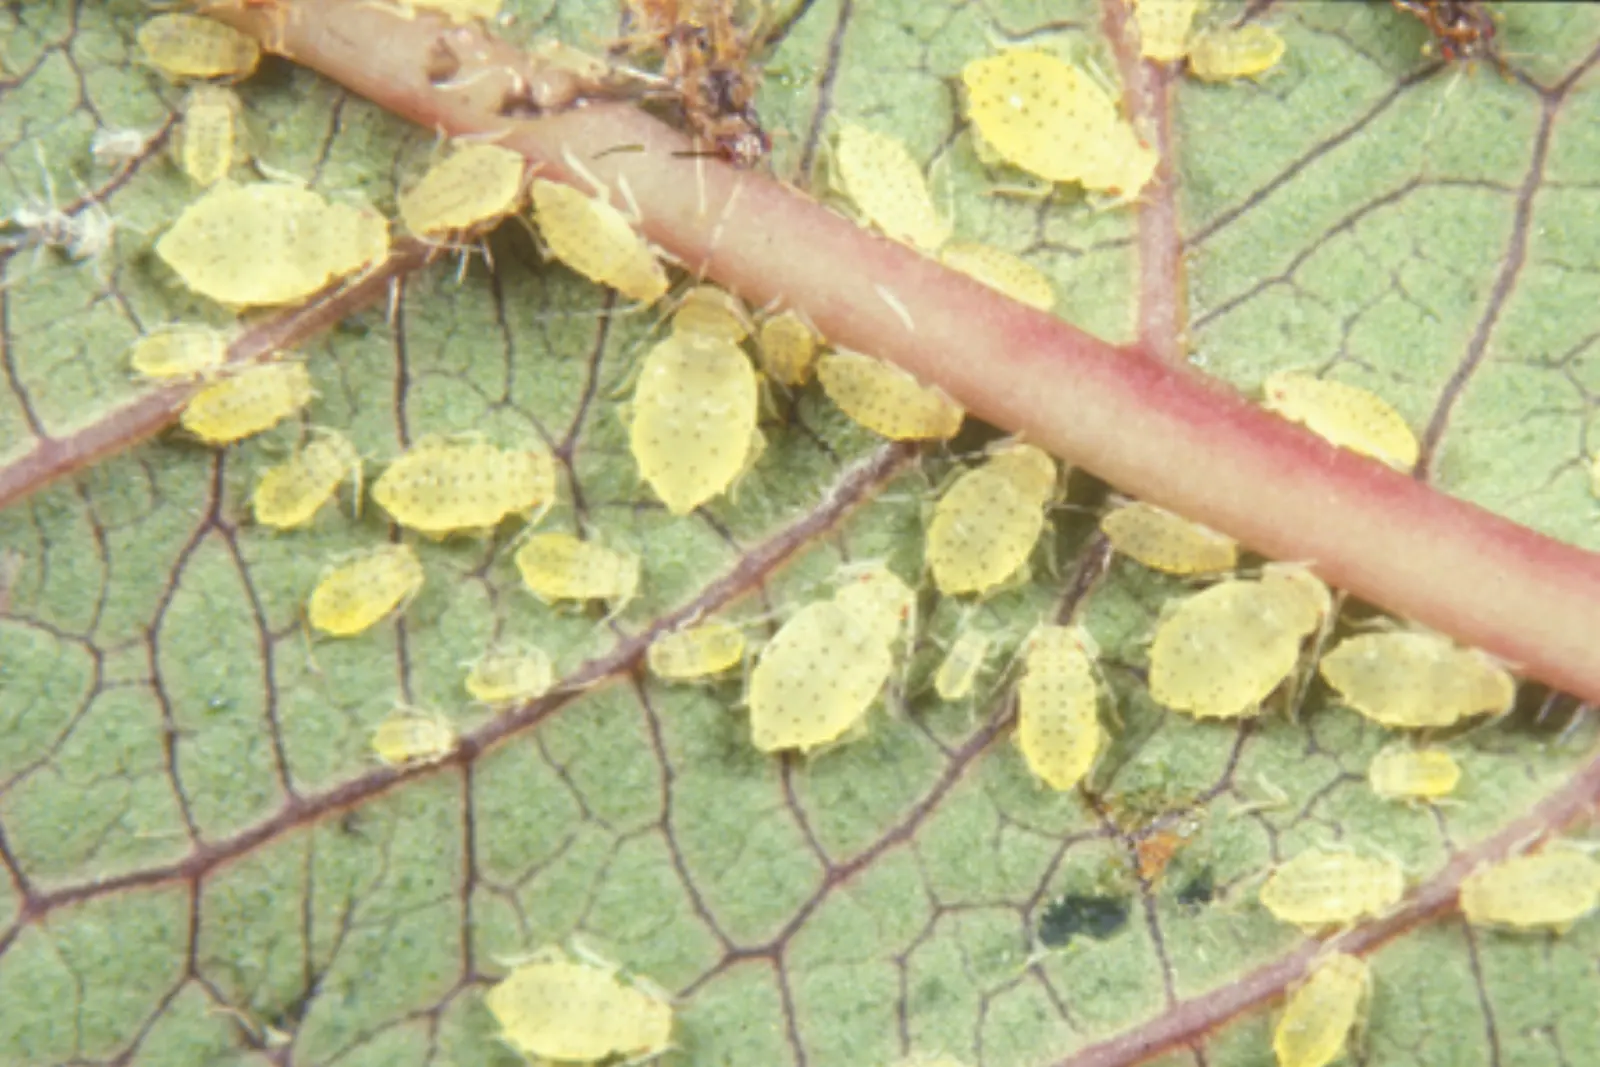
713, 312
1044, 115
788, 347
356, 595
886, 399
411, 738
181, 350
1319, 1016
292, 493
475, 183
1225, 53
1400, 772
552, 1007
114, 145
510, 676
819, 675
1167, 542
1319, 888
558, 566
594, 239
887, 186
1553, 888
696, 652
1343, 415
693, 422
1416, 679
188, 46
247, 402
962, 664
985, 526
1058, 727
269, 243
1017, 278
1462, 29
1223, 650
1164, 28
206, 138
443, 485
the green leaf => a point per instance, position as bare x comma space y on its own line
204, 864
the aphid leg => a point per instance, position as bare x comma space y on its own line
1298, 685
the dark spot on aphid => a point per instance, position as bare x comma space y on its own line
1199, 890
1089, 916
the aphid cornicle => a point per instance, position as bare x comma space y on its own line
887, 186
1219, 653
559, 566
408, 737
189, 46
696, 652
1166, 542
594, 239
475, 183
444, 485
959, 669
788, 347
1343, 415
207, 138
1319, 1015
1058, 725
985, 526
1318, 888
1001, 270
1401, 772
510, 675
1415, 679
819, 675
693, 424
356, 595
556, 1008
247, 402
181, 350
1224, 53
1551, 889
291, 493
886, 399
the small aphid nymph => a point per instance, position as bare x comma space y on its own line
407, 738
1415, 679
1223, 53
1164, 28
1319, 1015
1551, 890
507, 676
447, 485
1002, 271
887, 186
1343, 415
475, 183
1401, 772
1166, 542
559, 566
1318, 888
696, 652
357, 595
959, 669
247, 402
597, 241
291, 494
1058, 726
189, 46
788, 348
208, 136
886, 399
180, 350
553, 1007
712, 312
985, 526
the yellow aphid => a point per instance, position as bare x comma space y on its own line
475, 183
1319, 1016
355, 596
886, 399
693, 423
696, 652
1049, 118
411, 738
1058, 727
1164, 28
788, 348
1017, 278
1222, 54
594, 239
555, 1008
254, 399
713, 312
985, 526
1343, 415
443, 485
182, 350
1554, 888
962, 664
820, 674
188, 46
291, 493
888, 187
269, 243
558, 566
509, 676
1319, 888
1416, 679
1400, 772
455, 10
1223, 650
207, 135
1167, 542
